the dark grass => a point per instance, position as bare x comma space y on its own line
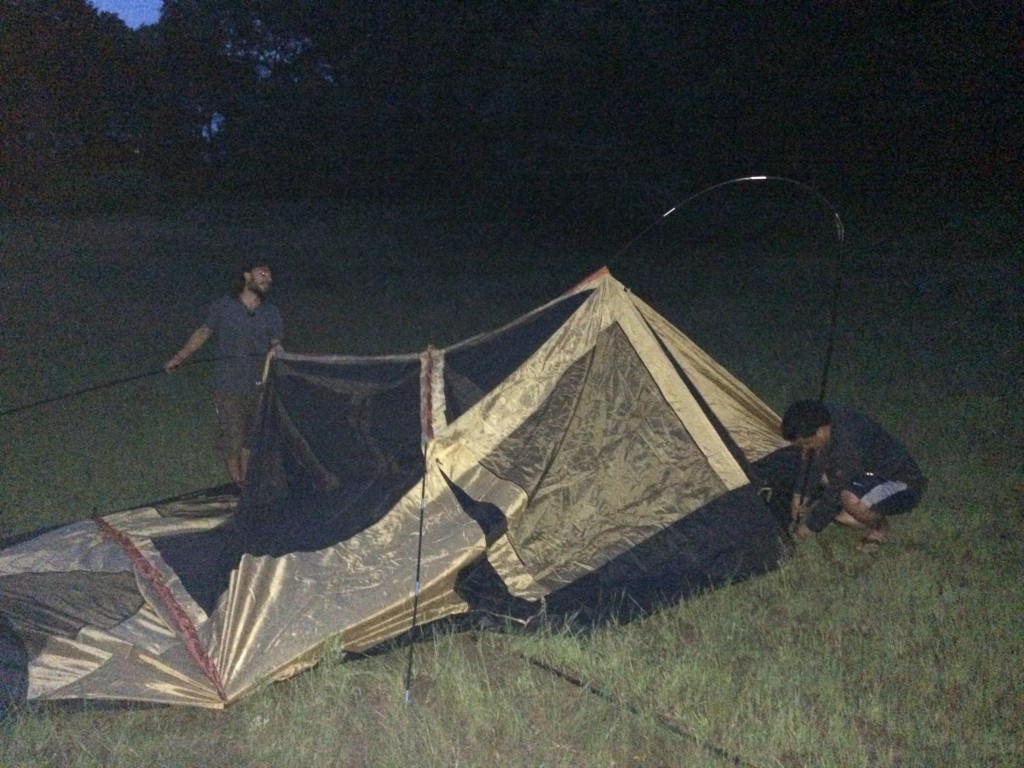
908, 658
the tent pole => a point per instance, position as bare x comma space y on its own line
840, 237
419, 562
109, 384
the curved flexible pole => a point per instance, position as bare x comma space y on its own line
838, 264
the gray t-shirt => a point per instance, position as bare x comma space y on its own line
243, 338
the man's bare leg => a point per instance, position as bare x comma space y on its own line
236, 468
243, 459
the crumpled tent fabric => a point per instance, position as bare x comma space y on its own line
587, 459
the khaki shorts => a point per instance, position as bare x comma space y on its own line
236, 420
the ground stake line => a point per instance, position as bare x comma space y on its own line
661, 720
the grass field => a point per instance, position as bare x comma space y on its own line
911, 656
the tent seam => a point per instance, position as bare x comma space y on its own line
150, 574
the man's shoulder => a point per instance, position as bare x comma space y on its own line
857, 427
226, 302
221, 308
851, 427
269, 313
845, 413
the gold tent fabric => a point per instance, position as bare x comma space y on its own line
604, 432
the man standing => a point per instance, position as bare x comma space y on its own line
855, 473
247, 327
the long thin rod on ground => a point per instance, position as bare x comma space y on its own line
662, 721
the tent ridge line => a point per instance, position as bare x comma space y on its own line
150, 574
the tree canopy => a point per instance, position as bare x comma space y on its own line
305, 98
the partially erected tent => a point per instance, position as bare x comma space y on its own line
587, 459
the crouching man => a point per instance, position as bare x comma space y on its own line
854, 472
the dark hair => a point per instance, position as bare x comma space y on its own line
803, 418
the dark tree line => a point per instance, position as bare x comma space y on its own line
310, 98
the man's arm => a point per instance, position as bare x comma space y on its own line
195, 341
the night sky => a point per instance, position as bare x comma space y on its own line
134, 13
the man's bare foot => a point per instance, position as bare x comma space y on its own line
873, 539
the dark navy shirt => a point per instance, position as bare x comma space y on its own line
857, 446
243, 338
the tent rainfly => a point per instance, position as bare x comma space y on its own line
586, 460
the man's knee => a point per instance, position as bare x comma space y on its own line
858, 510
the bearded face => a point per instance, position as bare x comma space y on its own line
258, 281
